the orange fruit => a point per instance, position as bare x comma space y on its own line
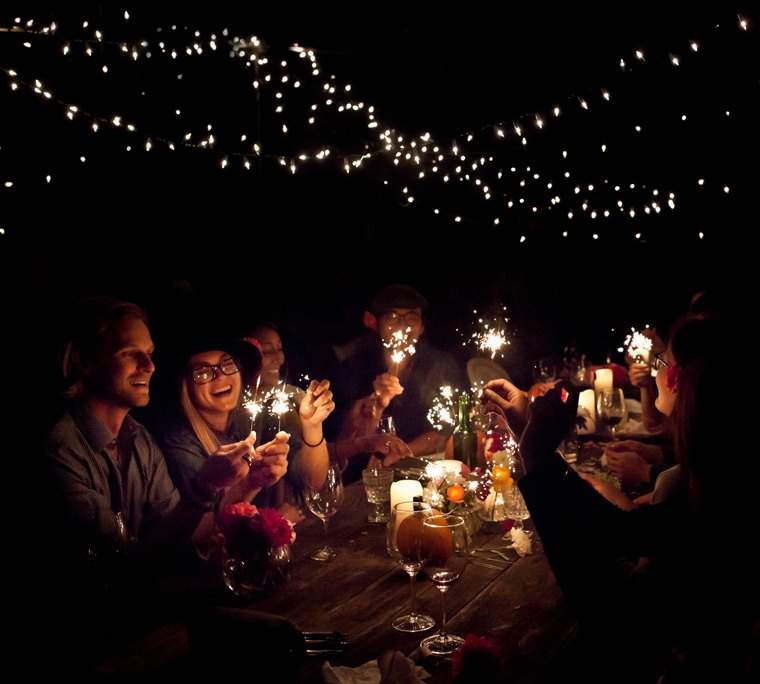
501, 476
455, 493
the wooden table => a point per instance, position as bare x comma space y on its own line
359, 593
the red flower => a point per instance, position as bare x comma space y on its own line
232, 516
507, 525
276, 529
478, 657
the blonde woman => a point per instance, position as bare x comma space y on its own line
211, 417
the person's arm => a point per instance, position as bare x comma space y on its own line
86, 512
185, 460
390, 447
365, 413
315, 406
512, 401
207, 483
429, 442
361, 419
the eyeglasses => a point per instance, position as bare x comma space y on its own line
660, 362
410, 317
206, 373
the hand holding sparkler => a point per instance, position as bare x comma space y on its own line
386, 387
507, 397
227, 465
640, 375
638, 346
270, 462
317, 404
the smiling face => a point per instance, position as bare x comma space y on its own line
123, 367
273, 356
222, 393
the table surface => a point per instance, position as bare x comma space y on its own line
516, 602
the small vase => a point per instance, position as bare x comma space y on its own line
250, 574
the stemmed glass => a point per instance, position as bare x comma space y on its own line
324, 503
386, 426
446, 549
544, 370
405, 545
611, 409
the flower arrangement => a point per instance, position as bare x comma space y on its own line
451, 487
247, 528
256, 548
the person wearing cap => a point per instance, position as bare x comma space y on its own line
373, 383
212, 375
106, 472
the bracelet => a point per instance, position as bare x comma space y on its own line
313, 445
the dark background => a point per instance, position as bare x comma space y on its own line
176, 233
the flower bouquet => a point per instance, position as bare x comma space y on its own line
256, 548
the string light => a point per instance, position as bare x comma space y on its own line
252, 52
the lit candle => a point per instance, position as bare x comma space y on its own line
603, 380
587, 410
405, 490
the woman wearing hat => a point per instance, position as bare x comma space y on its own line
211, 416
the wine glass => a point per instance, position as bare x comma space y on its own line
386, 426
611, 409
446, 548
544, 370
405, 545
324, 503
515, 507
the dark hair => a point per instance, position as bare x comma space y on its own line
397, 296
701, 409
263, 325
706, 303
91, 322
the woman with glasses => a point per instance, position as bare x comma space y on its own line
210, 418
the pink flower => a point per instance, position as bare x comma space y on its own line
276, 529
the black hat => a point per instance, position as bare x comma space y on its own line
246, 350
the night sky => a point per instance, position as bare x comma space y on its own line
307, 250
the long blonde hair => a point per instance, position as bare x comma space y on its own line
198, 424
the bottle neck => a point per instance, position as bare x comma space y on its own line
463, 424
